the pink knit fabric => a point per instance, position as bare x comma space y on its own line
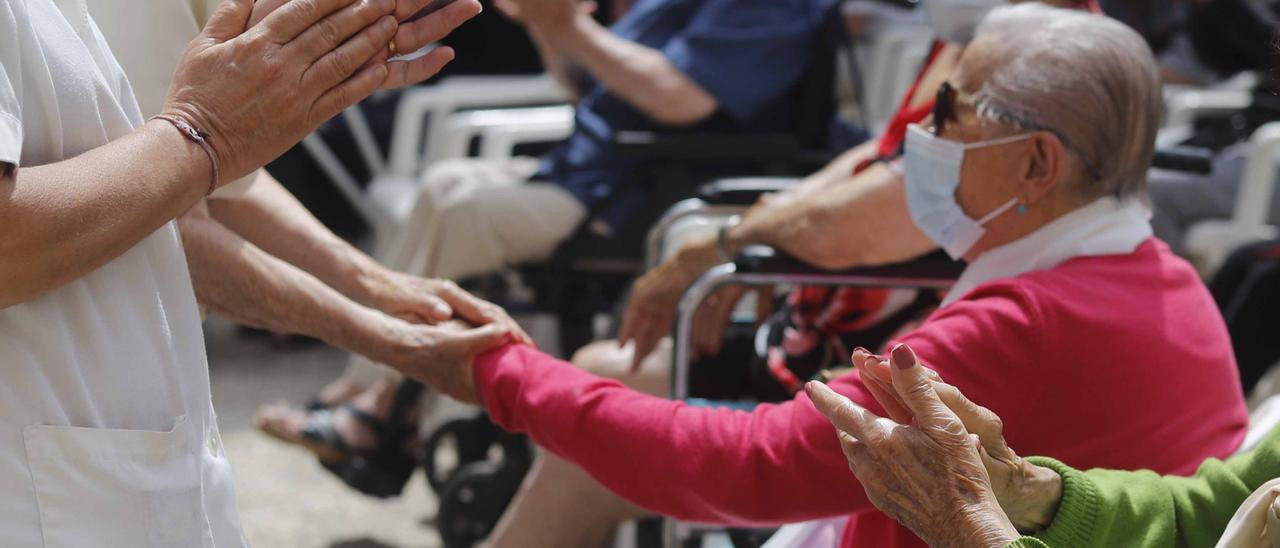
1120, 361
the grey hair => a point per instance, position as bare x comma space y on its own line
1087, 78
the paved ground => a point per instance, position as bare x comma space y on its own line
286, 499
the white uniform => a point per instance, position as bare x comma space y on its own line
107, 432
148, 38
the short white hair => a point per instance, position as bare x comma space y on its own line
1087, 78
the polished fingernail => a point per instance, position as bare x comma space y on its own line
903, 357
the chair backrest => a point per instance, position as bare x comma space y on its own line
816, 94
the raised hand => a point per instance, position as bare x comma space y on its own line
422, 22
257, 92
929, 476
1027, 493
655, 297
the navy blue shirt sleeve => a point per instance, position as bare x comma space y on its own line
747, 53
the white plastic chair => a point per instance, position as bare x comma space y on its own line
426, 113
891, 59
1262, 421
1209, 242
500, 130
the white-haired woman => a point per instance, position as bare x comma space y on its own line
1093, 341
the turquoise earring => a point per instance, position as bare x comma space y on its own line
1022, 209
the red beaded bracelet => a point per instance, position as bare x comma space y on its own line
198, 137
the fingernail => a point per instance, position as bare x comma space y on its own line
904, 357
389, 23
809, 387
862, 350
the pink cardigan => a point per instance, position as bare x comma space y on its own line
1118, 361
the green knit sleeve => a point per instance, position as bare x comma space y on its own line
1124, 508
1027, 542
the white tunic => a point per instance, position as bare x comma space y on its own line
107, 433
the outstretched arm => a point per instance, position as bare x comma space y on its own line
693, 463
263, 239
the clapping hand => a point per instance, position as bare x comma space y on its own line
929, 476
415, 31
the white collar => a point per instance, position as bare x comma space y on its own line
1108, 226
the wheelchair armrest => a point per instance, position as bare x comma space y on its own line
769, 261
763, 147
1182, 158
743, 191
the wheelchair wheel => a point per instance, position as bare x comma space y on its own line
472, 502
455, 445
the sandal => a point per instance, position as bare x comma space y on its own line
382, 471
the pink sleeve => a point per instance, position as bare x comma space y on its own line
692, 463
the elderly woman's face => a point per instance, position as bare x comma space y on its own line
989, 177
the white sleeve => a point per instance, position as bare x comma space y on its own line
10, 84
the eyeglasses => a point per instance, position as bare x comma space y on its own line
944, 107
944, 110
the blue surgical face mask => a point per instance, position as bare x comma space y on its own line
955, 21
932, 166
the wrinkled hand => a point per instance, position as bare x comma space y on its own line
415, 32
441, 356
929, 477
421, 300
257, 92
1029, 494
656, 297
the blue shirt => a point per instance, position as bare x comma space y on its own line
748, 54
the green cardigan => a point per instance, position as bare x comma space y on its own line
1120, 508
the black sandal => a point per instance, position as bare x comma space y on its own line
380, 472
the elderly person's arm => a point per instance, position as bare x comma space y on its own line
641, 75
834, 220
1061, 506
269, 217
258, 257
241, 282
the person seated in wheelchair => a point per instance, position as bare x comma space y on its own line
1071, 321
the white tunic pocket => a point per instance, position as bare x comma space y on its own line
127, 488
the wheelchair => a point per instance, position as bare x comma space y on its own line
762, 266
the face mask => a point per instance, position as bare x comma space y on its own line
955, 21
933, 167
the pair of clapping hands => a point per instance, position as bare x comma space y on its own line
939, 465
262, 75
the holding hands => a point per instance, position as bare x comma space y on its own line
941, 466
